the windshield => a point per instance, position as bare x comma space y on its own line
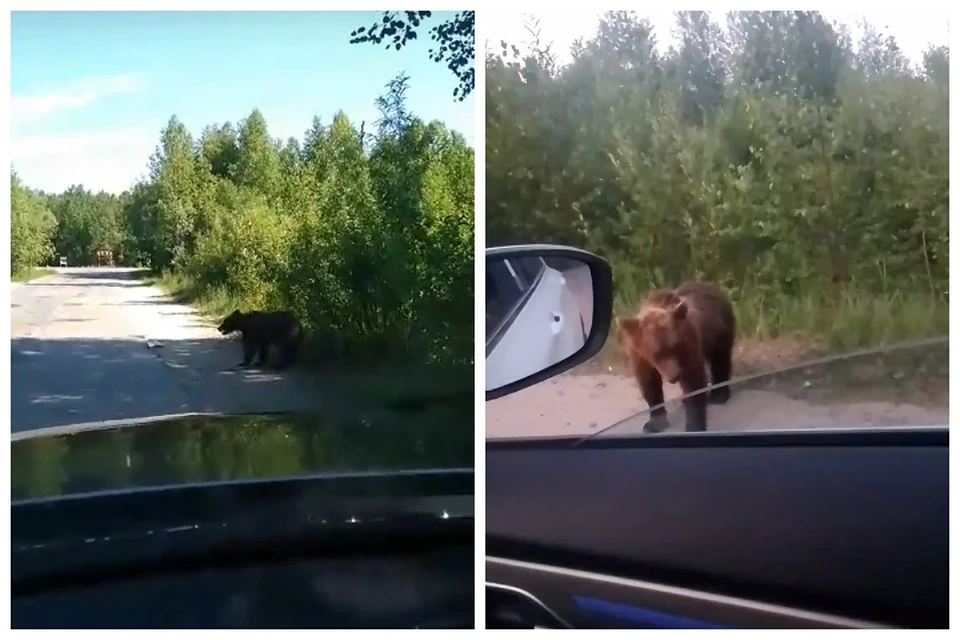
905, 385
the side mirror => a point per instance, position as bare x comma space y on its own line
548, 309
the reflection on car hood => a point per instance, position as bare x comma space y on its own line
198, 448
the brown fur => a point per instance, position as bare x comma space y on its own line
675, 337
262, 329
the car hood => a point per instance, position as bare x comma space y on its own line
197, 448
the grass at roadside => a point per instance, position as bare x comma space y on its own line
395, 386
31, 274
183, 291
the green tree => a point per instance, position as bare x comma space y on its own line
86, 223
369, 241
454, 41
806, 173
32, 228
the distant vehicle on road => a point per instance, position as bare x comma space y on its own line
63, 261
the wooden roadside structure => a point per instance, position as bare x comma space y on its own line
104, 258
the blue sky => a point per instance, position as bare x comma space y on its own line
90, 91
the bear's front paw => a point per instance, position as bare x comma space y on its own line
718, 395
656, 424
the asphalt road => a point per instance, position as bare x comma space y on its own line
96, 344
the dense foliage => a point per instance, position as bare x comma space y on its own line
32, 227
803, 171
368, 238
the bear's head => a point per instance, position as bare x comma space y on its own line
231, 323
660, 334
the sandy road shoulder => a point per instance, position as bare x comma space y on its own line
581, 404
206, 362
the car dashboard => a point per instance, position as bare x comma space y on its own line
426, 589
298, 553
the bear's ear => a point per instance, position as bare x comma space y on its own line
680, 310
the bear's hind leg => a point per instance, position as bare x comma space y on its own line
249, 349
695, 407
721, 367
263, 352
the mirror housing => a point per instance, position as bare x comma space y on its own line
566, 291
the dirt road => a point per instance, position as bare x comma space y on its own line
97, 344
856, 393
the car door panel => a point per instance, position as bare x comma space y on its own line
850, 526
583, 599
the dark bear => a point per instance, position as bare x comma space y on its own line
675, 337
260, 330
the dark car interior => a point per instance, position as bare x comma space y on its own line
783, 530
362, 551
829, 528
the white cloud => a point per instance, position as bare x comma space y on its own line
100, 159
110, 160
41, 102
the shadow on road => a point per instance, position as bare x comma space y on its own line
65, 381
58, 381
103, 273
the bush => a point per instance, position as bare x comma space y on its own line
809, 179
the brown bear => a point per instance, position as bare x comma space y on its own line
674, 338
262, 329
